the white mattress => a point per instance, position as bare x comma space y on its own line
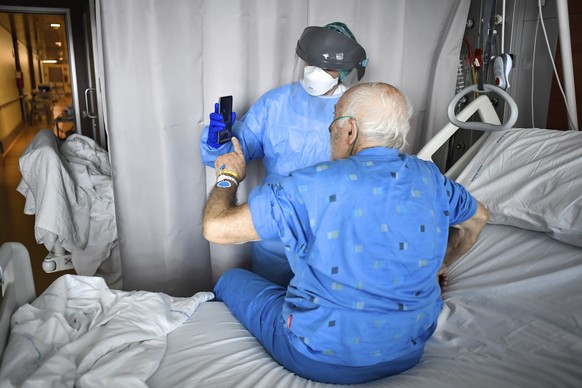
512, 318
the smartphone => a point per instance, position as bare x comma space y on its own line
225, 103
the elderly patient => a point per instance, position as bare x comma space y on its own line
365, 236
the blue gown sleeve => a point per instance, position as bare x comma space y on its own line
249, 132
278, 213
462, 204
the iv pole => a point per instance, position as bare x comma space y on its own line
567, 64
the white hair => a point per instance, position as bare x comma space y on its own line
382, 113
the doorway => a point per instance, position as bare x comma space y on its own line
41, 91
83, 112
52, 66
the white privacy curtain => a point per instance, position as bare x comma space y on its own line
166, 62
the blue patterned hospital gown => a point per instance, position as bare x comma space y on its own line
365, 237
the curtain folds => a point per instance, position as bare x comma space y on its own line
167, 62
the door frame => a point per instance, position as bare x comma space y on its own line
95, 73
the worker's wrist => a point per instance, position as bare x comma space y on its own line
225, 181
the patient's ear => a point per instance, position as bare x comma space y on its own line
352, 131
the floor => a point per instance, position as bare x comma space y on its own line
15, 225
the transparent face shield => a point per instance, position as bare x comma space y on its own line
298, 68
349, 78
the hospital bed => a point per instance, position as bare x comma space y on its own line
512, 313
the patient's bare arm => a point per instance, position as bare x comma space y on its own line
224, 221
463, 236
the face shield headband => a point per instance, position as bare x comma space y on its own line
327, 49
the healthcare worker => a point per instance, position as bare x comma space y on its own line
288, 126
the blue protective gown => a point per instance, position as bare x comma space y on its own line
288, 129
365, 237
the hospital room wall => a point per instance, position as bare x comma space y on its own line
11, 103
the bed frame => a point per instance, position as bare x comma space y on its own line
482, 106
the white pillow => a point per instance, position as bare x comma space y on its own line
531, 178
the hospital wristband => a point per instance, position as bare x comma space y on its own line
230, 173
225, 181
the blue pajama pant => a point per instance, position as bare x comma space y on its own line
257, 304
269, 261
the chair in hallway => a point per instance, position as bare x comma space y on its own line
41, 105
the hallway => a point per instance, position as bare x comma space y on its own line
15, 225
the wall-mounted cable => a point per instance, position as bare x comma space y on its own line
533, 66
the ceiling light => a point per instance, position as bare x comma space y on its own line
55, 25
58, 44
49, 61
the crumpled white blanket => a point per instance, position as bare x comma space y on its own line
69, 190
80, 333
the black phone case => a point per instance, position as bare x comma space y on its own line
225, 103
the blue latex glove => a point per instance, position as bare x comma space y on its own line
216, 125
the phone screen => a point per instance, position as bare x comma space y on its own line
225, 103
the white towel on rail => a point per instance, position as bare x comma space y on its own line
69, 190
62, 213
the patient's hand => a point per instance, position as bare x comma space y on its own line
232, 163
443, 279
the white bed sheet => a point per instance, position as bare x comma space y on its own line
512, 318
81, 333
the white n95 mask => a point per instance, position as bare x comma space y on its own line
317, 81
